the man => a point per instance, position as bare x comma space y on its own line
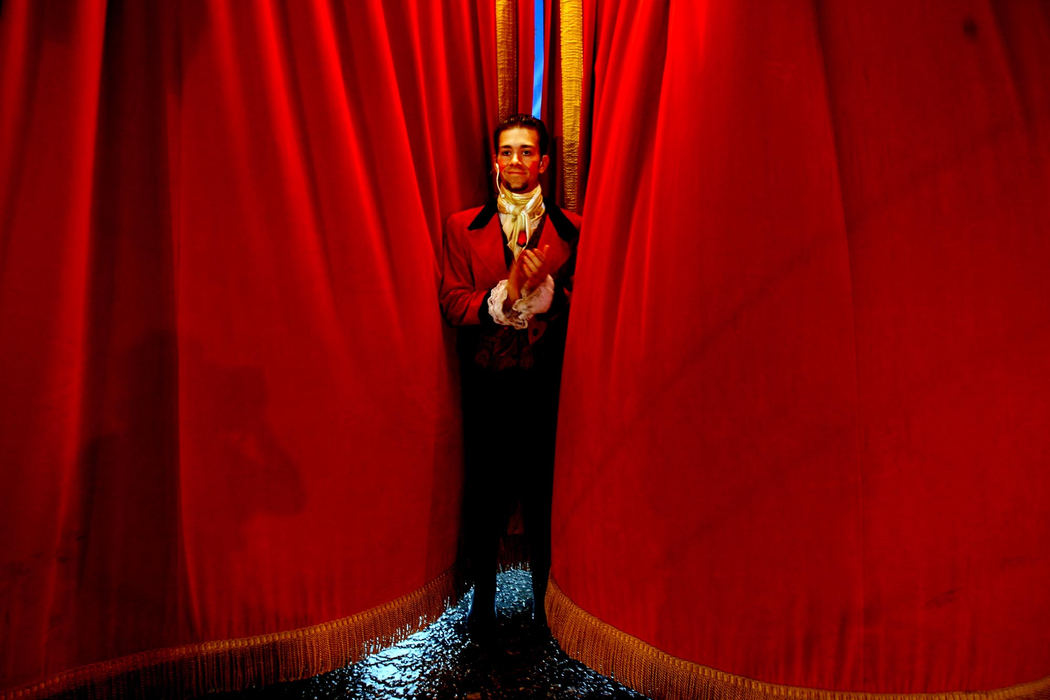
506, 281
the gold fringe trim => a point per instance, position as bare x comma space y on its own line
235, 664
659, 675
571, 21
507, 57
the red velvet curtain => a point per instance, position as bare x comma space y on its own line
805, 424
227, 399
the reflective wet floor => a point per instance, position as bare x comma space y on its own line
442, 661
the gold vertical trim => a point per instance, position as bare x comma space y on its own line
571, 21
507, 57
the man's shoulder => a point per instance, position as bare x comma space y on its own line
479, 216
469, 218
566, 223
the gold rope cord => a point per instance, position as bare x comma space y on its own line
571, 21
234, 664
507, 57
660, 675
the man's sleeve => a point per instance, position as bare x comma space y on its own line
460, 302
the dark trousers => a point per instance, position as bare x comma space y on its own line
510, 418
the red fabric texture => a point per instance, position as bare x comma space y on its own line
227, 397
526, 25
805, 421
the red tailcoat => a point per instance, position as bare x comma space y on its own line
476, 257
506, 372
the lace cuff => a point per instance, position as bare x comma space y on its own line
535, 301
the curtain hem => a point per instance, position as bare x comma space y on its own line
234, 664
655, 673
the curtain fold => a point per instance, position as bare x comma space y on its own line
228, 405
803, 425
804, 420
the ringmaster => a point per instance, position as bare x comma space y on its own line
507, 274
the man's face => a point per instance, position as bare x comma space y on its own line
519, 159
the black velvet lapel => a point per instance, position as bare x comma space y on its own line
569, 233
508, 252
482, 219
565, 228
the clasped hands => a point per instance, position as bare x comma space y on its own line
527, 273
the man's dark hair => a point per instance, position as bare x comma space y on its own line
525, 121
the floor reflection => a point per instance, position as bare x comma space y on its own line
441, 661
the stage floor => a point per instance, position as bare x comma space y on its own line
441, 661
